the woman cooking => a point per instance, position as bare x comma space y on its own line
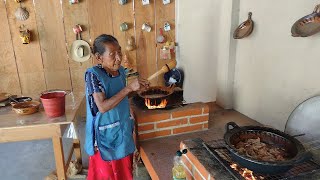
109, 141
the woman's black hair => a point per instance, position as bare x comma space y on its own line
100, 41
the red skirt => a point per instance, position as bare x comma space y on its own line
109, 170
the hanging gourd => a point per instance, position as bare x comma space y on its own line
130, 44
161, 38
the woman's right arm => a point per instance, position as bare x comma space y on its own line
105, 104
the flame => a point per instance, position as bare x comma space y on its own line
244, 172
162, 104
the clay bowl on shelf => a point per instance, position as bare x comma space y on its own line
26, 108
17, 100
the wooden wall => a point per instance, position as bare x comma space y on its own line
43, 64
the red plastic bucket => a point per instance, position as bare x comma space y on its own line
53, 103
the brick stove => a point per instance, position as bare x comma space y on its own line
176, 118
212, 160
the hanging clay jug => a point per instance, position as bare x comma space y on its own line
146, 27
122, 2
161, 38
165, 53
21, 14
124, 26
126, 62
130, 45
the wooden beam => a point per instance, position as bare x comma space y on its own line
8, 69
53, 45
27, 133
59, 157
164, 13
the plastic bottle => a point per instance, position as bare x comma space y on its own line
178, 171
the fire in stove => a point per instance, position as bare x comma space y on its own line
155, 105
245, 173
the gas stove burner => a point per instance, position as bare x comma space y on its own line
218, 149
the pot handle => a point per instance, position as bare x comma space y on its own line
233, 125
172, 86
303, 157
316, 9
249, 15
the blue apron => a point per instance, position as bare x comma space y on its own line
113, 129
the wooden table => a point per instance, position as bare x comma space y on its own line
14, 127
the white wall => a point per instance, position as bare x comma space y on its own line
197, 34
274, 72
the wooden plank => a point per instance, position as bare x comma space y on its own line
120, 14
146, 58
27, 61
100, 18
72, 15
165, 13
30, 66
59, 158
9, 82
32, 83
78, 82
77, 150
53, 46
8, 70
58, 79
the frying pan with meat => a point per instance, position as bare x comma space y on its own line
156, 92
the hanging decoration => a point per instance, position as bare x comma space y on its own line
130, 44
25, 35
165, 2
146, 27
77, 29
73, 1
145, 2
124, 26
80, 50
165, 53
171, 46
161, 38
166, 27
307, 25
21, 13
245, 28
122, 2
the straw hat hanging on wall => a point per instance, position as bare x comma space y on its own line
80, 51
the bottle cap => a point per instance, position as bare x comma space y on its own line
179, 153
184, 151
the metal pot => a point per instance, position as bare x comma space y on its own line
295, 150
